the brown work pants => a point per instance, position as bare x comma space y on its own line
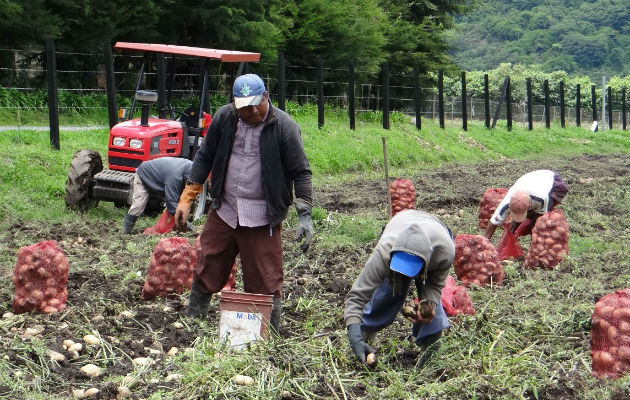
261, 257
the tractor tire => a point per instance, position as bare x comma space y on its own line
85, 164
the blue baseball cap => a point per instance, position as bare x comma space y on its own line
406, 263
248, 90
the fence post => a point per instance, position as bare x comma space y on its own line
351, 93
547, 107
160, 61
508, 103
530, 122
578, 105
464, 113
610, 108
281, 82
320, 92
53, 109
562, 104
603, 103
623, 108
593, 103
416, 95
497, 111
110, 85
486, 99
385, 72
441, 97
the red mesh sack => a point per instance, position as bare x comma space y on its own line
163, 225
508, 246
476, 261
550, 241
171, 268
489, 202
610, 335
40, 277
231, 283
403, 195
455, 299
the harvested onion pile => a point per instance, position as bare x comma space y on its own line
477, 261
40, 278
171, 268
403, 195
550, 241
488, 204
610, 335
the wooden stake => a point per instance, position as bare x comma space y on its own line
389, 198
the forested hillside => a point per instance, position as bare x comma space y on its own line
578, 36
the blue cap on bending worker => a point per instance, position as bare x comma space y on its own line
248, 90
406, 263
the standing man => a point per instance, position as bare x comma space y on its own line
414, 246
532, 195
257, 159
166, 176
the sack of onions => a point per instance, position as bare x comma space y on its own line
455, 299
610, 335
489, 202
477, 261
550, 241
40, 277
403, 195
171, 268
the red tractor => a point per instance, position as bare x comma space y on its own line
135, 140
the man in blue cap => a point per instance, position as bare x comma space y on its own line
414, 246
257, 159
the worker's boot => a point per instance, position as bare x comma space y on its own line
276, 315
198, 303
128, 223
429, 345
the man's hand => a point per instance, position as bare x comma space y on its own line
426, 311
359, 347
190, 193
305, 223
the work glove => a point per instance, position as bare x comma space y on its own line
190, 193
305, 223
359, 347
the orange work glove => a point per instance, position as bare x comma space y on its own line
190, 193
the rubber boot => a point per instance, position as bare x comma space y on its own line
429, 345
276, 315
198, 303
128, 223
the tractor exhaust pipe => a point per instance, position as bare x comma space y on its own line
145, 98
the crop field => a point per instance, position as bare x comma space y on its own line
528, 339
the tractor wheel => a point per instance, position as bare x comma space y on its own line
85, 164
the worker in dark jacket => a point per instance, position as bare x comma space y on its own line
415, 246
257, 159
166, 176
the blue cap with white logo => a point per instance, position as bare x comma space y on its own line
248, 90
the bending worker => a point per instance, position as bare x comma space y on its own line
414, 247
166, 176
532, 195
256, 156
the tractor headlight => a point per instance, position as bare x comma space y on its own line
135, 143
118, 141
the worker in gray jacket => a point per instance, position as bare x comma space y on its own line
414, 246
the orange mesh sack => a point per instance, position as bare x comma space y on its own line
550, 241
477, 261
489, 202
40, 277
171, 268
610, 335
508, 246
403, 195
455, 299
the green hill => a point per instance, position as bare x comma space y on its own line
588, 37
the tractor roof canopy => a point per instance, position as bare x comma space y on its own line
222, 55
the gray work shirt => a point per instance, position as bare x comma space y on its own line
243, 199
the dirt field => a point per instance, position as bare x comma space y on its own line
107, 272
